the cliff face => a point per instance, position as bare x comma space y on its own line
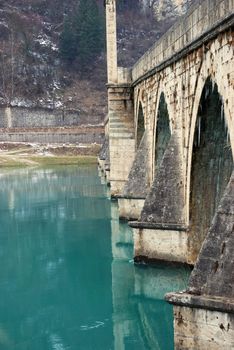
170, 8
31, 71
139, 32
161, 7
28, 53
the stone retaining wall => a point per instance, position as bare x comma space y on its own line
20, 117
81, 136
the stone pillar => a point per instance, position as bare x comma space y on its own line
104, 154
136, 188
8, 117
121, 136
204, 314
161, 232
111, 37
120, 109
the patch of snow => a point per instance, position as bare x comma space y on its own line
46, 154
54, 47
17, 102
4, 24
58, 104
56, 85
45, 41
35, 54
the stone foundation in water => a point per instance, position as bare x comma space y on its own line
130, 208
203, 329
161, 244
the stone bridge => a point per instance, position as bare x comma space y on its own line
169, 144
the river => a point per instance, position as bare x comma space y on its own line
67, 279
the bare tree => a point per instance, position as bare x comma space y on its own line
12, 65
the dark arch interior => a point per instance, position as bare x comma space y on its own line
163, 133
212, 164
140, 125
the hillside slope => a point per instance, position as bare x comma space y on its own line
32, 73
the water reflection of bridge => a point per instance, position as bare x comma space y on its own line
139, 310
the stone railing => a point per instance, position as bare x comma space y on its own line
201, 18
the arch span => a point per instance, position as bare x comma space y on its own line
225, 91
140, 129
162, 132
211, 164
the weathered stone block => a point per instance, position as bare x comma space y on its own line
130, 208
156, 244
203, 329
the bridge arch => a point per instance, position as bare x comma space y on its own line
210, 159
225, 91
162, 131
140, 124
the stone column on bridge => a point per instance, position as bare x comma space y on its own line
112, 77
120, 109
111, 42
121, 135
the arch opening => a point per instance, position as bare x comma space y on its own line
163, 132
140, 125
211, 167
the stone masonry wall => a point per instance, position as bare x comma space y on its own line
203, 329
74, 137
19, 117
182, 83
121, 136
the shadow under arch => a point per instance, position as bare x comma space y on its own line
140, 129
211, 165
162, 132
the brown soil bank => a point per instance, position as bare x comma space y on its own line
24, 154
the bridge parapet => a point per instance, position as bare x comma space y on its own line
202, 18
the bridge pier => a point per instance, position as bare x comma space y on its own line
160, 243
161, 232
120, 110
204, 314
130, 208
121, 135
136, 188
103, 155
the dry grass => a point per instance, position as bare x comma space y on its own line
32, 161
21, 156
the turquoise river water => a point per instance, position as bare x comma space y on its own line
67, 280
